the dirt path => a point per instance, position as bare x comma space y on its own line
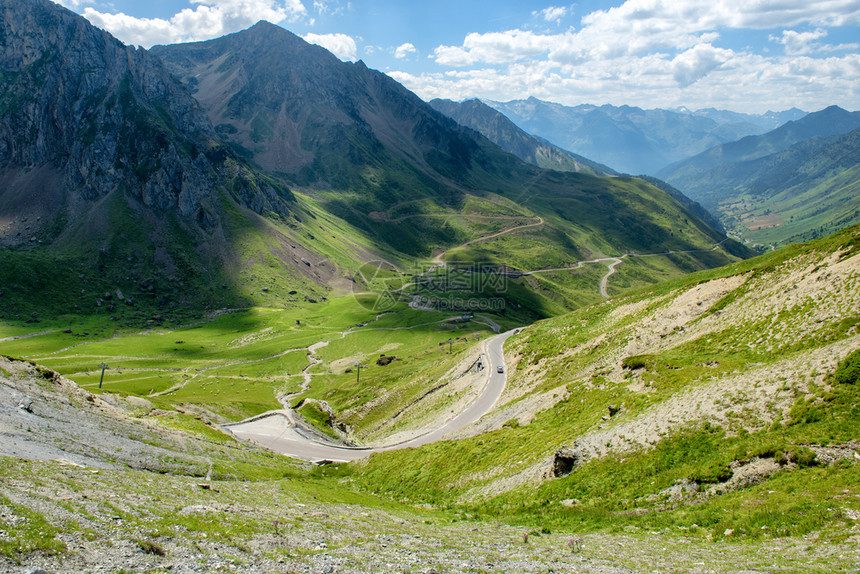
27, 336
616, 261
281, 432
604, 281
437, 260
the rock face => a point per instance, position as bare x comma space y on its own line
565, 459
83, 116
297, 109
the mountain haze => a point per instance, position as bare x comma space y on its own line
377, 156
794, 183
503, 132
628, 139
829, 121
806, 191
767, 121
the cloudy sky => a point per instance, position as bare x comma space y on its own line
743, 55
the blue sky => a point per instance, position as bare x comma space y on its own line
743, 55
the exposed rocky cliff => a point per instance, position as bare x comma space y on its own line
295, 108
83, 116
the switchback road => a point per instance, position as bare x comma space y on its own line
277, 431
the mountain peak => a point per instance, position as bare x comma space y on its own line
265, 25
111, 121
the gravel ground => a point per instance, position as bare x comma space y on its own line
229, 527
124, 495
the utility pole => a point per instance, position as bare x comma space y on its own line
358, 367
450, 344
103, 366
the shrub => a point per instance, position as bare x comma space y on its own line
149, 547
712, 472
634, 362
799, 455
806, 412
848, 371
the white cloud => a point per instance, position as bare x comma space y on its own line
495, 48
209, 19
697, 62
552, 14
661, 53
405, 50
800, 42
72, 4
698, 78
340, 45
329, 8
691, 16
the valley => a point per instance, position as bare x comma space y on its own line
263, 308
691, 415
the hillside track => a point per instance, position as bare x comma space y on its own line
279, 430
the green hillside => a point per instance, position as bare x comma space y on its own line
808, 190
827, 122
718, 404
712, 415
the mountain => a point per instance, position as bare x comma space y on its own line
401, 173
805, 191
767, 121
793, 183
84, 116
504, 133
267, 175
628, 139
830, 121
112, 178
694, 207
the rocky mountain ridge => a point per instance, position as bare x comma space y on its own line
85, 116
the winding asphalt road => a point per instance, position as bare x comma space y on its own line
276, 431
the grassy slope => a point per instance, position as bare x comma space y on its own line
800, 213
788, 346
806, 191
621, 491
237, 364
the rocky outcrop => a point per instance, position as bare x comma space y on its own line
566, 459
102, 117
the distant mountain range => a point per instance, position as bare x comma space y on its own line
797, 182
766, 121
257, 168
808, 190
633, 140
687, 174
535, 150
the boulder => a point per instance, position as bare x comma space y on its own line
566, 459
